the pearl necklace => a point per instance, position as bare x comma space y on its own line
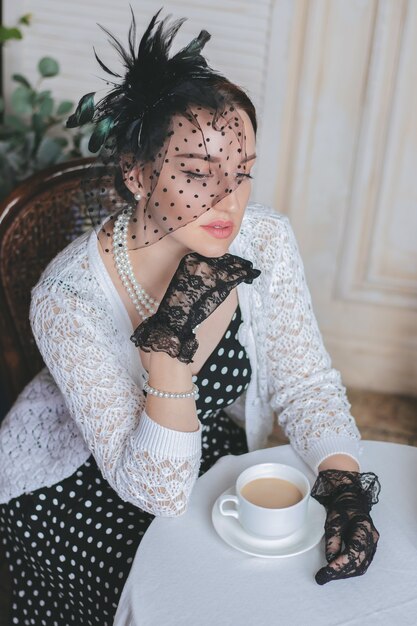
144, 304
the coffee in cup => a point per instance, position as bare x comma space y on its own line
271, 500
271, 493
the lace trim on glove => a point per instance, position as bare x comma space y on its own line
331, 485
152, 335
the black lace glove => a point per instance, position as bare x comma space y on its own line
197, 288
348, 498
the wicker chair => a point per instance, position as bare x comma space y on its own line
37, 220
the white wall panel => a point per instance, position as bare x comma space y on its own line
351, 190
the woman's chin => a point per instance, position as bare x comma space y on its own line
210, 246
212, 250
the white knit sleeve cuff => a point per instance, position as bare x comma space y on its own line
166, 442
327, 446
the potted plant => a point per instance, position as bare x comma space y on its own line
32, 131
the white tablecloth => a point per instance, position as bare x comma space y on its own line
184, 574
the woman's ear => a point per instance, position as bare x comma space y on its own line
131, 173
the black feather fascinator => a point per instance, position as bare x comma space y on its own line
154, 86
159, 106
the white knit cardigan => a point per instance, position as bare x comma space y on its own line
89, 398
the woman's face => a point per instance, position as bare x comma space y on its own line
188, 182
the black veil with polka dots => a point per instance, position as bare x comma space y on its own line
184, 179
167, 133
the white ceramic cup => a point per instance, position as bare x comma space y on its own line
262, 521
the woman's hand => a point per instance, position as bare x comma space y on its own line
348, 498
199, 285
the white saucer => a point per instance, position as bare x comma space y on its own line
307, 537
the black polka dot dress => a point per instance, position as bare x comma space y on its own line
70, 546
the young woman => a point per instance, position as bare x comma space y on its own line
170, 337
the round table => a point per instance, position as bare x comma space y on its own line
184, 574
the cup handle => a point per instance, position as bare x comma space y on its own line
230, 512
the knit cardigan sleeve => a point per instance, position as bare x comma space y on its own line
151, 466
305, 391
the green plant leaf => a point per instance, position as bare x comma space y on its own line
14, 122
38, 124
42, 103
61, 141
21, 100
20, 150
64, 107
18, 78
6, 132
64, 157
32, 98
48, 152
9, 33
4, 148
48, 67
30, 142
46, 93
25, 19
46, 107
17, 156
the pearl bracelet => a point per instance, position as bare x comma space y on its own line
168, 394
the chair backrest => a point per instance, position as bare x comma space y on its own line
37, 220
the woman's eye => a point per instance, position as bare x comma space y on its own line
195, 175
